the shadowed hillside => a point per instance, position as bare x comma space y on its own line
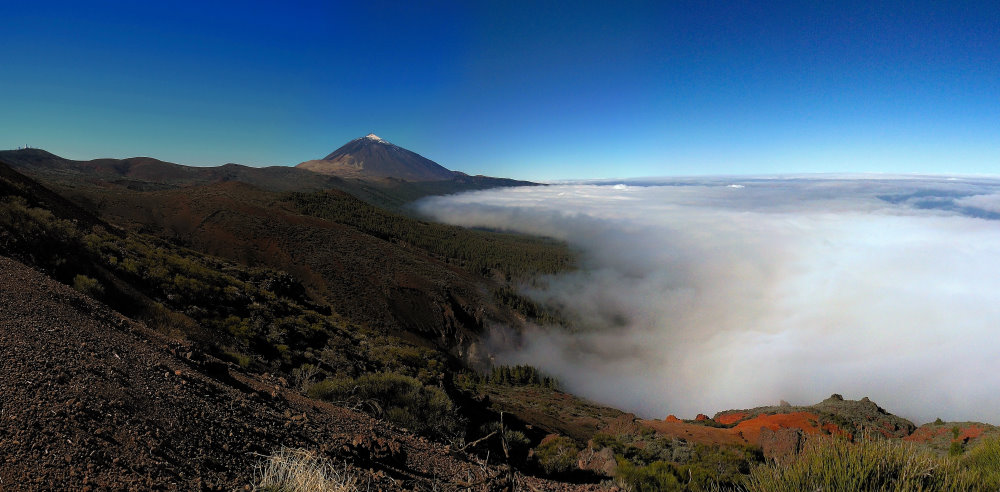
376, 268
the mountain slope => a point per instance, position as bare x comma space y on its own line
93, 399
372, 157
371, 266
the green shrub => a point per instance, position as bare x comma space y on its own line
883, 465
242, 360
956, 448
656, 476
37, 237
518, 443
88, 286
712, 466
401, 399
558, 455
335, 389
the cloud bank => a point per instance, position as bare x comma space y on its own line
704, 295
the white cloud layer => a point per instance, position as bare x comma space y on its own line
699, 296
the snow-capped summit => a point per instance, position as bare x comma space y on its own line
372, 157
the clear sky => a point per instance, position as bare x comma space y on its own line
535, 90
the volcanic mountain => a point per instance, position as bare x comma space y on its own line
372, 157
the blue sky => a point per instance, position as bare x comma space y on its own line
536, 90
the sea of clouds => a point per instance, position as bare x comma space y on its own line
700, 295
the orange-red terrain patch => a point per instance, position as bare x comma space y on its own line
746, 431
731, 418
929, 433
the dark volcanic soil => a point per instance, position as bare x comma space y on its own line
93, 400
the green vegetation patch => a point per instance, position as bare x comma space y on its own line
400, 399
558, 455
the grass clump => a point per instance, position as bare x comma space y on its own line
300, 470
983, 459
878, 465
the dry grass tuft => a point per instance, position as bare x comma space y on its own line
300, 470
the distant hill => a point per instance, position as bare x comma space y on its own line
371, 157
149, 174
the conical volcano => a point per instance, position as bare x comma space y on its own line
372, 157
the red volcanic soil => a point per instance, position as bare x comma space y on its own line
745, 432
928, 433
694, 432
731, 418
968, 433
806, 421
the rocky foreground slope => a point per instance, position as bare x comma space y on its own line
93, 400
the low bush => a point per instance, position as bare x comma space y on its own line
557, 455
656, 476
403, 400
518, 443
88, 286
882, 465
662, 465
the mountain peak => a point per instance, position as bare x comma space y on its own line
361, 158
